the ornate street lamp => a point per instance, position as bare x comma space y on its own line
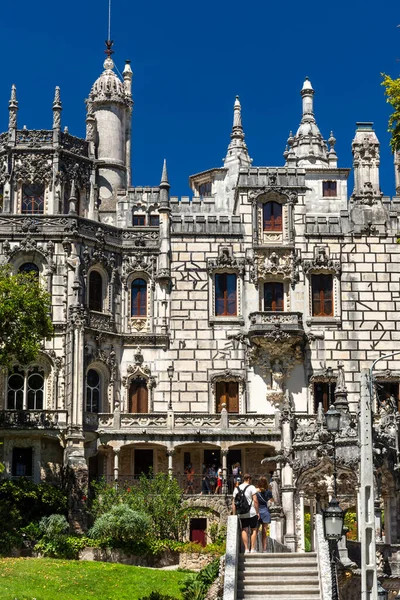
333, 416
170, 371
382, 593
333, 527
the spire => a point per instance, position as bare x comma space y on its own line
308, 148
57, 108
127, 76
237, 147
164, 177
12, 109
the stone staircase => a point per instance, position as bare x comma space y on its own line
278, 576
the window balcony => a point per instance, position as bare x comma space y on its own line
273, 327
33, 419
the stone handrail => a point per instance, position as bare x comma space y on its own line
39, 419
232, 558
181, 421
324, 564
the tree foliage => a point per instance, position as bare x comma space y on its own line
24, 316
122, 524
392, 93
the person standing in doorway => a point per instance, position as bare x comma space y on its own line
245, 505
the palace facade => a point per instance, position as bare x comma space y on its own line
201, 331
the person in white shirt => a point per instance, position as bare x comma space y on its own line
250, 519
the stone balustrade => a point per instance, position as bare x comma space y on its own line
38, 419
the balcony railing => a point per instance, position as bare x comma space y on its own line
37, 419
276, 326
181, 422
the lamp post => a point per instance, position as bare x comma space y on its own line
382, 593
333, 515
170, 371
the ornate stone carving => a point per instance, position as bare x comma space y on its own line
33, 168
139, 262
226, 260
93, 256
72, 169
34, 138
322, 262
276, 264
139, 372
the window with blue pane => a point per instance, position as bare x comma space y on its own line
226, 294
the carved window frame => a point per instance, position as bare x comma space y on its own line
226, 376
106, 291
332, 267
138, 372
105, 401
272, 237
230, 265
138, 324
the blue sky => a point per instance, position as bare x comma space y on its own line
191, 59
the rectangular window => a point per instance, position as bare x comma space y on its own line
324, 393
273, 296
388, 394
205, 189
22, 462
272, 216
225, 294
329, 188
322, 295
154, 220
227, 392
139, 220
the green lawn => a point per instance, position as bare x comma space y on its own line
49, 579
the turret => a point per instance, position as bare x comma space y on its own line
110, 105
308, 148
127, 75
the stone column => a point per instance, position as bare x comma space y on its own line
224, 453
302, 532
170, 454
116, 465
287, 492
358, 512
378, 520
312, 532
276, 526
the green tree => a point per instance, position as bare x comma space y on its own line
392, 92
24, 316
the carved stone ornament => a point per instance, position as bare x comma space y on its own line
275, 264
322, 262
138, 263
139, 372
4, 175
254, 195
33, 168
73, 169
97, 256
226, 260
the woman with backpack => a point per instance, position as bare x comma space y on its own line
264, 495
245, 505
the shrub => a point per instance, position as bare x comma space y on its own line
23, 502
159, 496
121, 524
53, 526
61, 546
196, 587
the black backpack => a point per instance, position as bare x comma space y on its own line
241, 503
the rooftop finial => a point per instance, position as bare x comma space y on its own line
237, 146
57, 107
12, 110
164, 176
13, 103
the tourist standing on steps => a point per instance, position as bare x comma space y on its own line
264, 495
249, 519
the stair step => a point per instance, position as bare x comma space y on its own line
254, 561
268, 571
271, 592
278, 579
262, 596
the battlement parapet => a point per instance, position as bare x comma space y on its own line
196, 204
270, 177
323, 225
206, 224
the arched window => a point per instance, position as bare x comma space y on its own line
29, 267
95, 291
273, 296
25, 389
272, 216
138, 396
15, 393
92, 391
139, 220
225, 294
139, 298
33, 199
322, 295
35, 389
